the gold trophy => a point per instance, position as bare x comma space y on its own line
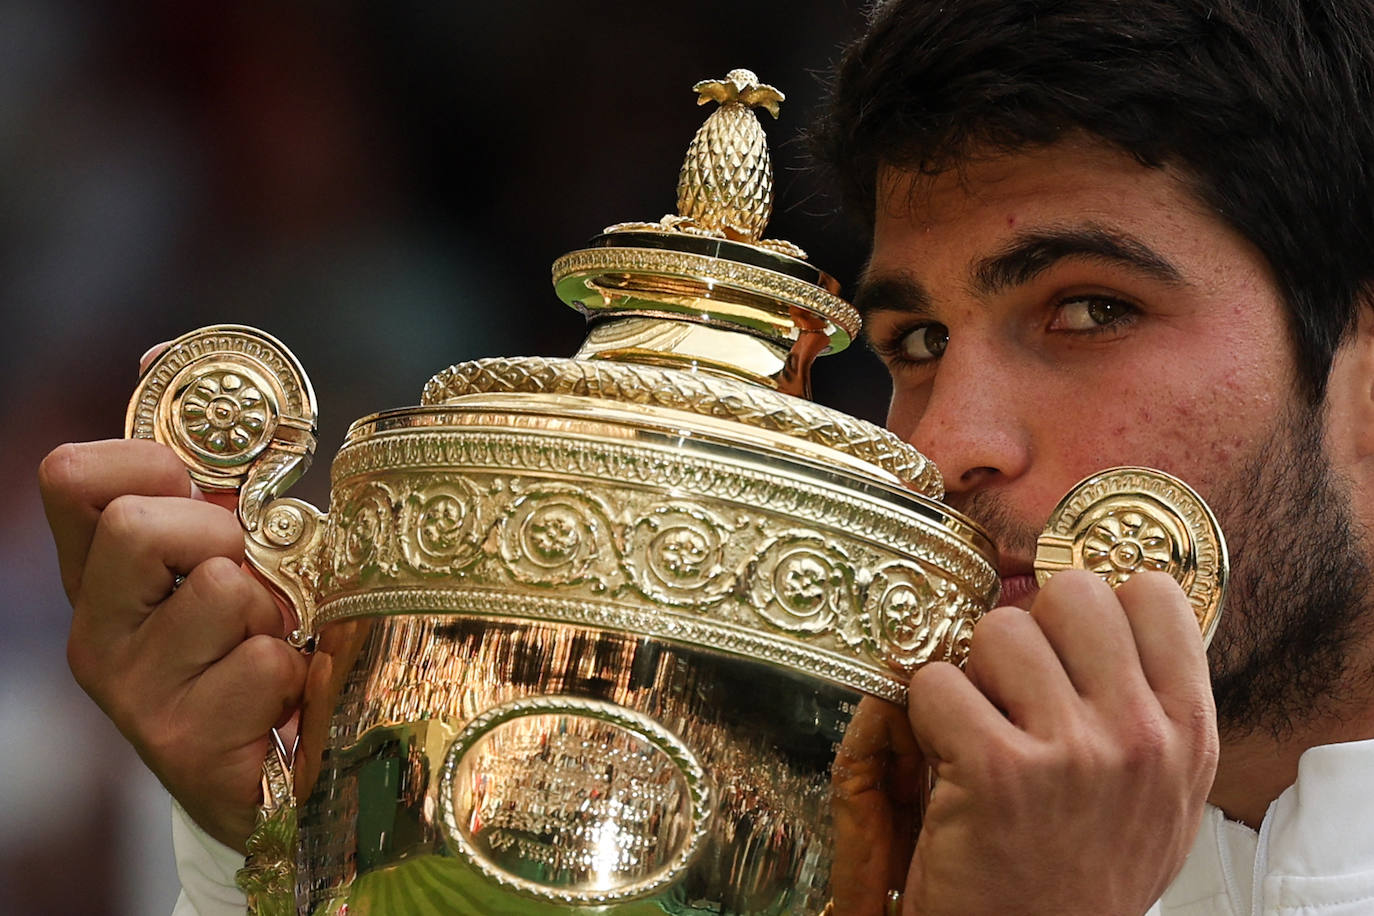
588, 634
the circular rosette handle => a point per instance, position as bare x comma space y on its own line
235, 405
1126, 520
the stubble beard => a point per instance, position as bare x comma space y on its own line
1300, 584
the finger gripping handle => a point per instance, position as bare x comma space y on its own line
235, 405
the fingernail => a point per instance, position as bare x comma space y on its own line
151, 354
197, 492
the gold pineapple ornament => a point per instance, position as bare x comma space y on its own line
725, 187
726, 182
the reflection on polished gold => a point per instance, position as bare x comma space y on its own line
604, 797
267, 877
1126, 520
628, 633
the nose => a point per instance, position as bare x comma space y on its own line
969, 419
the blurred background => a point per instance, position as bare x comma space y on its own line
381, 184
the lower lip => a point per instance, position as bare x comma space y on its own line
1018, 590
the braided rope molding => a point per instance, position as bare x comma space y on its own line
719, 398
664, 469
870, 678
745, 277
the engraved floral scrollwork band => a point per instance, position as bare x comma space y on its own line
803, 585
366, 542
610, 550
682, 555
555, 536
442, 527
741, 568
915, 615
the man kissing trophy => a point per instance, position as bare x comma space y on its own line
632, 632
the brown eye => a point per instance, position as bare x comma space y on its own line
926, 342
1088, 313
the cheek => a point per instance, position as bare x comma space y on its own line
904, 411
1199, 431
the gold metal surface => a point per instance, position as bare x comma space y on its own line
268, 876
694, 393
725, 187
617, 831
710, 265
235, 406
603, 271
1126, 520
628, 633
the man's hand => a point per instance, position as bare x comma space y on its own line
195, 675
1073, 756
876, 783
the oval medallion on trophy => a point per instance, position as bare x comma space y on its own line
573, 800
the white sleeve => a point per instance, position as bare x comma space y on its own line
206, 868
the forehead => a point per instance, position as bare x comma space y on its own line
949, 222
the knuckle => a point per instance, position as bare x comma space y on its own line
59, 473
1150, 582
124, 520
996, 626
931, 676
1145, 752
1008, 766
1200, 727
221, 583
277, 666
1070, 588
1147, 743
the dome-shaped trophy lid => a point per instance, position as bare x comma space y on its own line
701, 313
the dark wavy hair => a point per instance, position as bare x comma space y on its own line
1265, 105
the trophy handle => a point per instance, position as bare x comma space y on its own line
1125, 520
237, 408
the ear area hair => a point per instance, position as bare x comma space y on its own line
1349, 400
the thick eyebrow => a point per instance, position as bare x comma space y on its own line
1033, 253
898, 292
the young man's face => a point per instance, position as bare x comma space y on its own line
1053, 313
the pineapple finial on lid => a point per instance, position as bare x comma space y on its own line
725, 187
726, 182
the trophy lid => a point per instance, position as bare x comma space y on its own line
737, 304
698, 313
